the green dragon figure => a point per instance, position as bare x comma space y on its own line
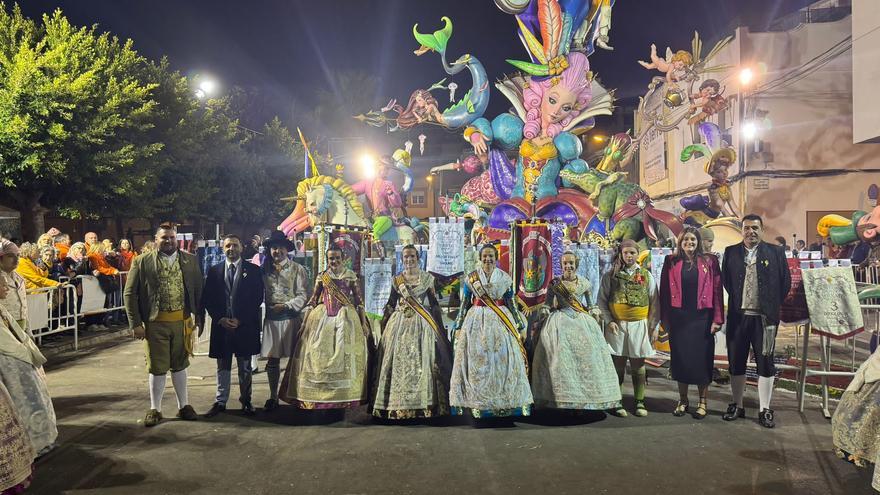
624, 210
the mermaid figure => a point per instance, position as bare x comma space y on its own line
554, 105
422, 107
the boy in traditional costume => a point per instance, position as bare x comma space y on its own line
630, 306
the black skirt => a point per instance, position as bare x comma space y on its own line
691, 343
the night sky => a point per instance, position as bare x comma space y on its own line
287, 49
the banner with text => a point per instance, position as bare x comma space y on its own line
377, 285
446, 246
833, 301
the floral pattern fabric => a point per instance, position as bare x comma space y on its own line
16, 452
572, 366
410, 384
855, 426
488, 373
27, 385
170, 285
328, 369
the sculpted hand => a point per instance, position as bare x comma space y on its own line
602, 42
139, 332
479, 143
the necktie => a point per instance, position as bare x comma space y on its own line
230, 277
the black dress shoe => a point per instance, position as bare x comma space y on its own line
216, 409
270, 405
187, 413
248, 409
766, 418
733, 413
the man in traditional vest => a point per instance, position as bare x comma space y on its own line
756, 277
285, 282
161, 295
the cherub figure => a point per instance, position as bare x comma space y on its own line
675, 65
720, 195
721, 157
708, 101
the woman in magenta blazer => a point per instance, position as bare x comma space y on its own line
692, 311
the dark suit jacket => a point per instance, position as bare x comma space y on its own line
774, 280
244, 341
141, 293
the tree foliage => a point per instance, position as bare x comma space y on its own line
89, 127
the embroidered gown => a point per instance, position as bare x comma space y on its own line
414, 358
572, 366
489, 372
22, 374
16, 452
329, 365
855, 425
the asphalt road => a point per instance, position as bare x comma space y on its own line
101, 397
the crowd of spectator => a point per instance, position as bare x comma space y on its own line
54, 259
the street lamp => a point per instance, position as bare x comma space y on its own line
749, 130
206, 88
368, 165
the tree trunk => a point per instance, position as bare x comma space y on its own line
119, 230
33, 222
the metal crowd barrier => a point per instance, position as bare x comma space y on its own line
52, 310
58, 309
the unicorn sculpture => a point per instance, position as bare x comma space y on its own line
329, 200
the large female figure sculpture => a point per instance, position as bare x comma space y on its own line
553, 107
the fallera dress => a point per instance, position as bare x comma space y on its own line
572, 366
414, 354
489, 377
328, 369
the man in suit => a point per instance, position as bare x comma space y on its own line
233, 295
162, 292
756, 277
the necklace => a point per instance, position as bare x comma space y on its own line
411, 279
